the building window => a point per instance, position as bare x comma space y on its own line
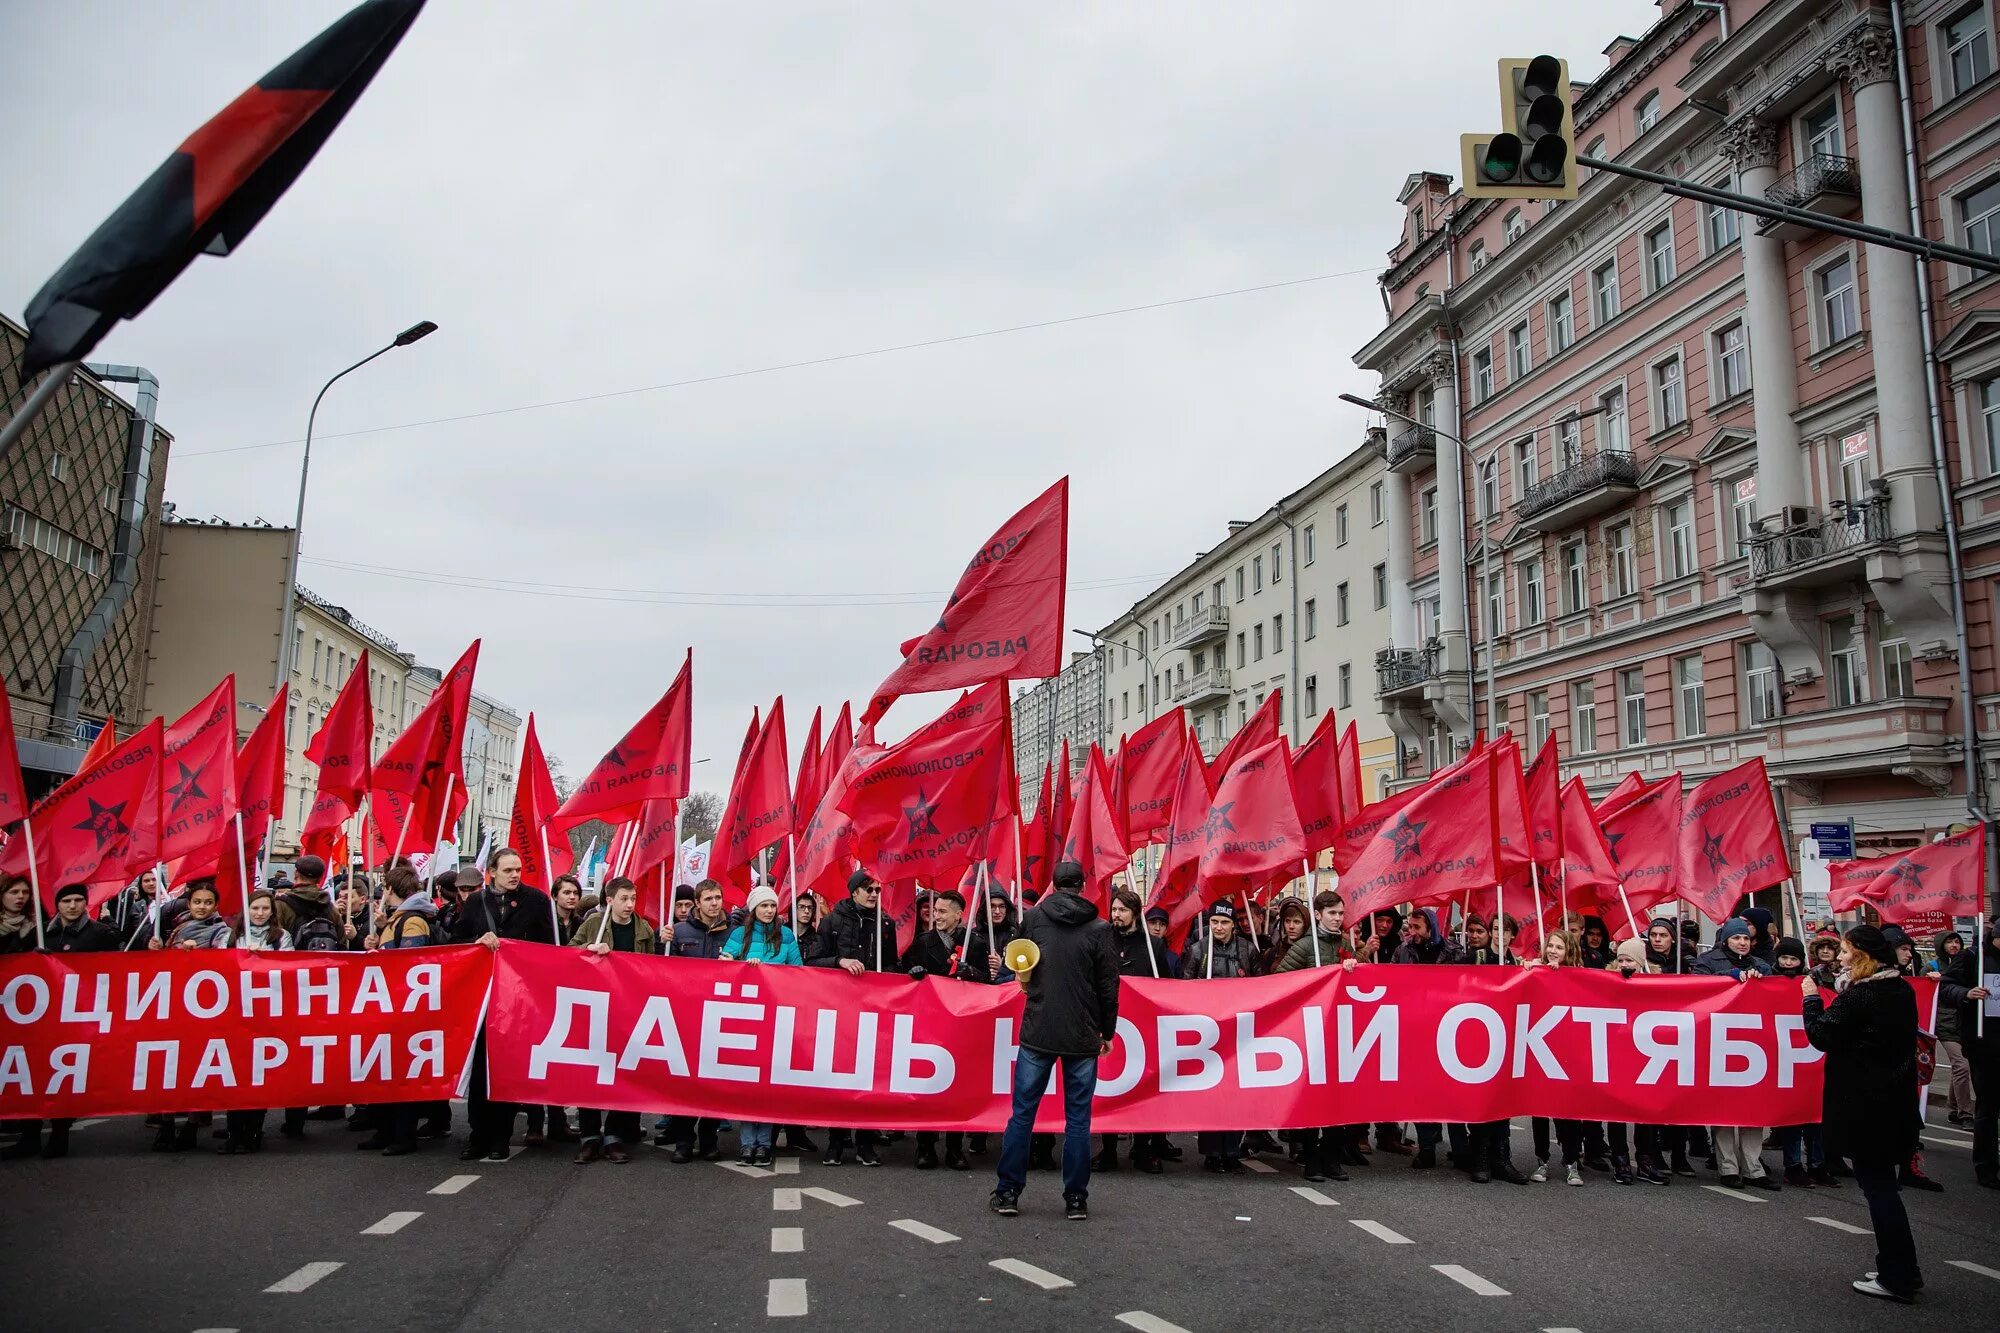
1427, 405
1583, 717
1721, 225
1277, 634
1837, 301
1215, 593
1632, 705
1562, 324
1538, 719
1669, 394
1239, 589
1892, 653
319, 646
1576, 578
1611, 430
1966, 53
1513, 227
1381, 586
1569, 442
1489, 487
1604, 292
32, 532
1312, 696
1660, 255
1621, 563
1496, 603
1482, 375
1732, 362
1429, 610
1501, 712
1690, 701
1197, 605
1428, 514
1256, 573
1339, 605
1646, 114
1309, 537
1820, 128
1857, 467
1520, 356
1527, 467
1761, 701
1277, 563
1346, 677
1530, 576
1312, 616
1478, 255
1679, 518
1846, 664
1242, 650
1989, 421
1979, 218
1743, 513
1375, 503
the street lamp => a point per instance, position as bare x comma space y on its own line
422, 329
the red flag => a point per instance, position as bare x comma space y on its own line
759, 811
922, 807
1352, 797
1259, 731
651, 842
1004, 620
1316, 780
1516, 843
1589, 872
260, 797
1038, 837
1543, 789
651, 763
326, 826
1628, 786
1096, 835
827, 844
1359, 831
98, 825
101, 746
1253, 823
1062, 802
13, 791
198, 780
535, 804
1944, 876
1642, 833
419, 782
1187, 836
806, 792
1432, 847
343, 747
1148, 764
1729, 841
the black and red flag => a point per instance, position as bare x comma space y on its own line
1729, 840
1143, 778
100, 828
651, 762
208, 195
417, 787
1259, 731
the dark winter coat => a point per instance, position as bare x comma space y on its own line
814, 946
1719, 962
1332, 949
852, 933
1072, 991
304, 902
1238, 958
86, 936
931, 953
1869, 1035
695, 939
522, 914
1596, 956
1132, 948
1439, 948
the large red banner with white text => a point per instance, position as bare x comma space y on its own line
224, 1030
1381, 1043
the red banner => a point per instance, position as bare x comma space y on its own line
1381, 1043
222, 1030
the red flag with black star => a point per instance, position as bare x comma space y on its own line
1062, 801
1729, 841
535, 804
198, 791
101, 827
1316, 779
1628, 786
1588, 883
1187, 835
1038, 837
651, 763
13, 791
1253, 824
923, 806
759, 810
1643, 834
1096, 835
208, 195
828, 842
1004, 620
1543, 788
1944, 876
1259, 731
1148, 764
1436, 846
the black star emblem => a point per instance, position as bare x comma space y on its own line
187, 789
1711, 847
1611, 841
616, 757
1069, 849
1907, 874
917, 817
1028, 867
106, 823
1404, 835
1217, 822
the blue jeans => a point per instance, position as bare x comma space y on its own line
752, 1134
1031, 1079
1802, 1146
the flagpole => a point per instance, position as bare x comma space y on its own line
35, 879
549, 880
1314, 919
1020, 871
243, 878
965, 945
449, 778
1250, 915
1541, 922
1500, 922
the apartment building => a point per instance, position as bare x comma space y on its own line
1665, 480
1066, 709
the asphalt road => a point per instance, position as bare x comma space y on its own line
119, 1237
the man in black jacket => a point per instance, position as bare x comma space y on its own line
937, 953
1071, 1017
72, 931
862, 939
506, 909
1140, 954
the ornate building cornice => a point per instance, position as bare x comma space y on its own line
1751, 143
1866, 55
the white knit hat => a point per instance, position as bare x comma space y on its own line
761, 894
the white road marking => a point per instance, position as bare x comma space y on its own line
391, 1224
86, 1124
454, 1185
1382, 1233
1470, 1280
784, 1200
1932, 1141
922, 1230
755, 1171
787, 1298
1562, 1330
1148, 1323
1311, 1195
1741, 1196
213, 1330
788, 1240
1839, 1225
304, 1278
1027, 1272
1261, 1168
833, 1197
1971, 1267
786, 1166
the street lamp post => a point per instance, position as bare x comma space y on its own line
286, 630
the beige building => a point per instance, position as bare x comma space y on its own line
492, 749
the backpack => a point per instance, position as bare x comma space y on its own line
316, 934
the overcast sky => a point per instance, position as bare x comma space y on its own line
613, 194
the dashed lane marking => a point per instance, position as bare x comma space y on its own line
1971, 1267
784, 1200
211, 1330
834, 1197
1311, 1195
786, 1166
303, 1278
788, 1240
1562, 1330
1261, 1168
923, 1230
1741, 1196
786, 1298
1148, 1323
454, 1185
1027, 1272
1839, 1225
1470, 1280
391, 1224
756, 1172
1382, 1233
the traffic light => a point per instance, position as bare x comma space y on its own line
1534, 157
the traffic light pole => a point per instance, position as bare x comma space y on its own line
1826, 222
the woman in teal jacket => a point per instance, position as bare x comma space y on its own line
761, 939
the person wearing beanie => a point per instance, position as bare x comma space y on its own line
1661, 955
70, 931
1823, 960
1763, 933
1869, 1037
1157, 921
1734, 954
761, 938
1736, 1147
1802, 1145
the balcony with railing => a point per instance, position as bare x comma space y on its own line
1822, 182
1414, 450
1400, 670
1200, 627
1202, 687
1585, 485
1822, 550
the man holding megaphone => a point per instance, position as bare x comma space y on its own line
1066, 959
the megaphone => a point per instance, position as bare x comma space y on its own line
1021, 956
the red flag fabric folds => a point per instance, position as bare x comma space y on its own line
1589, 872
1096, 836
1543, 787
419, 782
805, 799
98, 826
1316, 782
1253, 824
260, 797
1004, 620
828, 843
1038, 837
759, 810
1729, 840
1148, 764
343, 746
650, 763
535, 804
198, 781
1352, 797
1259, 731
1944, 876
1187, 835
923, 807
1643, 833
1436, 843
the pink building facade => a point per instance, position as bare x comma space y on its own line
1666, 482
